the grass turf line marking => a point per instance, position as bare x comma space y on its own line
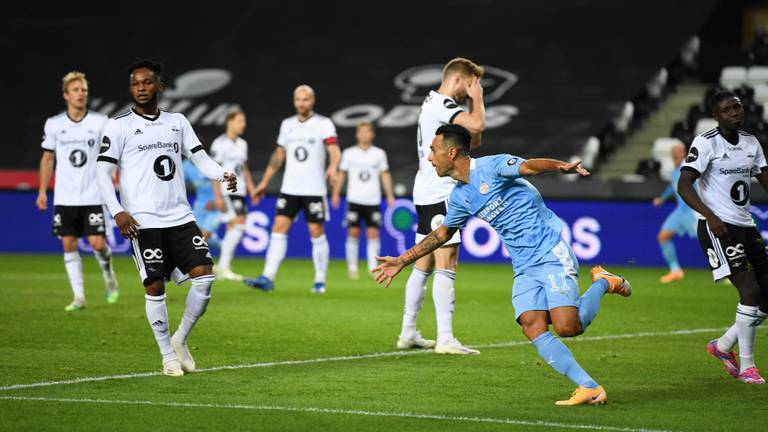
314, 410
345, 358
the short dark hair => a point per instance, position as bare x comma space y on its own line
456, 136
154, 66
719, 96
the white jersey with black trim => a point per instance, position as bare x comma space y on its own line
148, 152
437, 110
304, 143
364, 168
232, 155
725, 171
76, 147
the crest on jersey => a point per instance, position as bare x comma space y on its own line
91, 142
484, 188
692, 155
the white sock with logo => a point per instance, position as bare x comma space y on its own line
157, 315
746, 326
443, 297
352, 250
278, 245
74, 267
415, 288
726, 342
197, 302
321, 252
229, 244
373, 249
104, 258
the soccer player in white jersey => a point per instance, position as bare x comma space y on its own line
460, 84
302, 144
724, 160
71, 140
231, 151
147, 144
368, 171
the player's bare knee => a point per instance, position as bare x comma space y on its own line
316, 230
201, 270
97, 243
353, 232
569, 329
373, 233
69, 243
154, 287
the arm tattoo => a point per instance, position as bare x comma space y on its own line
276, 160
431, 242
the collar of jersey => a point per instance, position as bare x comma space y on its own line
66, 113
148, 117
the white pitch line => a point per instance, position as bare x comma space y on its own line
315, 410
345, 358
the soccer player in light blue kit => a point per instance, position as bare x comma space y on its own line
204, 210
682, 220
546, 270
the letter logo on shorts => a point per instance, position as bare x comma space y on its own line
713, 261
436, 221
316, 208
199, 241
57, 219
153, 254
732, 251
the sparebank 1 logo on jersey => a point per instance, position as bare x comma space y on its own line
183, 97
415, 84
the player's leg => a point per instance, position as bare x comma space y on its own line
235, 229
316, 214
373, 243
95, 229
443, 296
668, 231
68, 226
415, 291
351, 247
288, 207
193, 257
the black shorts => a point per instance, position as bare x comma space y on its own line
356, 213
742, 249
430, 217
157, 251
315, 208
235, 204
78, 221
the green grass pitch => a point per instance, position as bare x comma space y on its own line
306, 362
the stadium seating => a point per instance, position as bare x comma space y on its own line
733, 76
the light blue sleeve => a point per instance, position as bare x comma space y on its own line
457, 215
508, 166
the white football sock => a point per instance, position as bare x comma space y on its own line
351, 248
229, 244
74, 267
104, 258
278, 244
746, 326
415, 288
157, 315
320, 256
726, 342
443, 297
373, 249
197, 302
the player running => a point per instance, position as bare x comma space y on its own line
304, 140
682, 220
147, 143
724, 160
231, 151
204, 208
546, 269
460, 84
70, 140
368, 172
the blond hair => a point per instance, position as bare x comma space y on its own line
304, 88
463, 66
71, 77
367, 124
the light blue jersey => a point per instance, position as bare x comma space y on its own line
206, 219
514, 208
546, 269
682, 220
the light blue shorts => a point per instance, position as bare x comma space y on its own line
682, 222
208, 220
551, 283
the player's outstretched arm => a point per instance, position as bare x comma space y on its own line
391, 266
533, 167
691, 197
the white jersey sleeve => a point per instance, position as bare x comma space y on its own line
190, 143
282, 138
383, 163
699, 156
330, 137
49, 136
111, 143
344, 164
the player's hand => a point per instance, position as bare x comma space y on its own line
330, 174
658, 202
335, 201
258, 193
717, 226
387, 270
475, 90
390, 201
42, 202
129, 228
231, 180
574, 168
218, 203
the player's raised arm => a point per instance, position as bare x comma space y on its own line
474, 120
391, 266
533, 167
